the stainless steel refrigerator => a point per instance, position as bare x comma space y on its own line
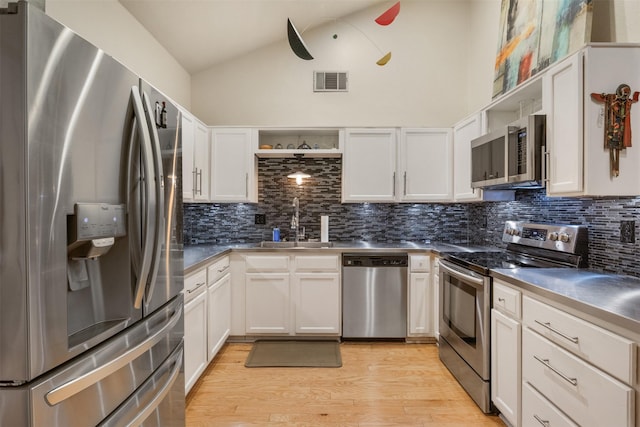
91, 274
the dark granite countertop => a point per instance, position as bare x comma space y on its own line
609, 297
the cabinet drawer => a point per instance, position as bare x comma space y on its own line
538, 411
260, 263
587, 395
193, 282
218, 269
507, 300
604, 349
419, 263
317, 263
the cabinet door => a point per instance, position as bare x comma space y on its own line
586, 394
436, 296
420, 304
233, 166
463, 133
188, 168
506, 373
563, 98
267, 303
426, 165
201, 161
369, 166
195, 338
219, 317
317, 303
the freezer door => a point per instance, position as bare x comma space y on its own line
165, 279
63, 130
144, 363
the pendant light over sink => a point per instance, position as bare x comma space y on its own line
299, 176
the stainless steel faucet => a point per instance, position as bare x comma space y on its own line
295, 219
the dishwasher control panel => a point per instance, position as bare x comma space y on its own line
375, 260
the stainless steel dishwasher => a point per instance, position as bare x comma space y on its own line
374, 295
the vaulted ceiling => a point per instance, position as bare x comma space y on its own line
203, 33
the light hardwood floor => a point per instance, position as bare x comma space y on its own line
379, 384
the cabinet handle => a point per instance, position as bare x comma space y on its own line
501, 299
405, 183
194, 184
246, 185
547, 165
394, 184
200, 178
545, 362
541, 421
555, 331
198, 286
223, 269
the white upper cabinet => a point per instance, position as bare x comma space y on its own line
425, 165
578, 162
201, 161
369, 166
188, 168
390, 165
195, 159
233, 166
463, 133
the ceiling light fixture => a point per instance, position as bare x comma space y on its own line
299, 175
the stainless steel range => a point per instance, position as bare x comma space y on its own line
465, 294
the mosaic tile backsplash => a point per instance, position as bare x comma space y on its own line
471, 223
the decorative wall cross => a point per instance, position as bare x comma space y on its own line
617, 129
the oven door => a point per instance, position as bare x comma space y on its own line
464, 315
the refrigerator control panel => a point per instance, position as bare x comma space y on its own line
95, 221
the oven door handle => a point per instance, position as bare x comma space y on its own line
479, 282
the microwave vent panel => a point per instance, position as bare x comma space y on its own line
330, 81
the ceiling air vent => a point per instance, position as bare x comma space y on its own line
329, 81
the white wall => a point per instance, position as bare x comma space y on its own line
108, 25
441, 70
424, 83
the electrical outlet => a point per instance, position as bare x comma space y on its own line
260, 219
627, 231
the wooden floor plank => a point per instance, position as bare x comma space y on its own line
379, 384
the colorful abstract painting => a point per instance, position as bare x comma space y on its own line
537, 33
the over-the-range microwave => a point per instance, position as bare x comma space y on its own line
511, 157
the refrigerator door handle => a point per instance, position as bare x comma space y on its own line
148, 219
129, 414
156, 153
75, 386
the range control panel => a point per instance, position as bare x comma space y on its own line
564, 238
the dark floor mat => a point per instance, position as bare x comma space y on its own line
312, 354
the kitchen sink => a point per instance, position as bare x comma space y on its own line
285, 245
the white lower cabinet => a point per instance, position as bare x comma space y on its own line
552, 368
538, 411
195, 333
586, 394
267, 303
506, 353
219, 316
316, 298
505, 366
420, 303
292, 294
